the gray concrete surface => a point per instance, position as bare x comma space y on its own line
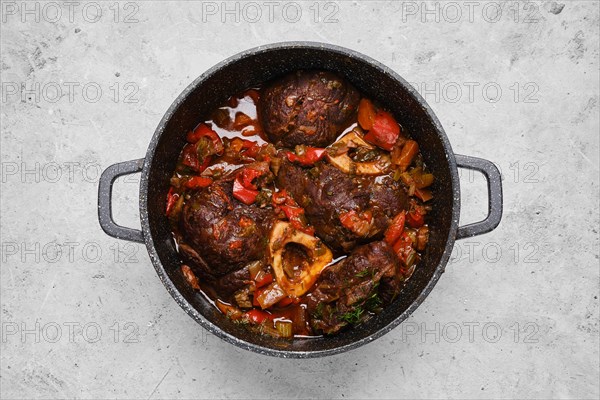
514, 316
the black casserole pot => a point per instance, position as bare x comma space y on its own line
256, 66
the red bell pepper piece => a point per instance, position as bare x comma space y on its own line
248, 175
311, 155
285, 302
295, 215
385, 131
243, 188
293, 212
204, 130
198, 182
257, 316
246, 196
395, 229
265, 280
250, 148
415, 218
171, 200
190, 158
282, 197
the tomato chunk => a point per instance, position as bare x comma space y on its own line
360, 224
308, 156
395, 229
407, 155
415, 218
385, 131
198, 182
257, 316
403, 247
366, 114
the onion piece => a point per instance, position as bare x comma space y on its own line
344, 163
190, 277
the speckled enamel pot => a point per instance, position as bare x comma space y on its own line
253, 67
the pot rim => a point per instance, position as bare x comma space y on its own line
214, 329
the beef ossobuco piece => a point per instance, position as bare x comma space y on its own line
347, 291
224, 233
307, 108
328, 195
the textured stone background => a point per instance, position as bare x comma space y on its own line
515, 314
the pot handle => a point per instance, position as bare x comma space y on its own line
494, 183
107, 179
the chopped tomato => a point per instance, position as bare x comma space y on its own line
385, 131
360, 224
235, 245
403, 247
245, 222
257, 316
307, 156
198, 182
171, 200
415, 218
366, 114
286, 301
395, 229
